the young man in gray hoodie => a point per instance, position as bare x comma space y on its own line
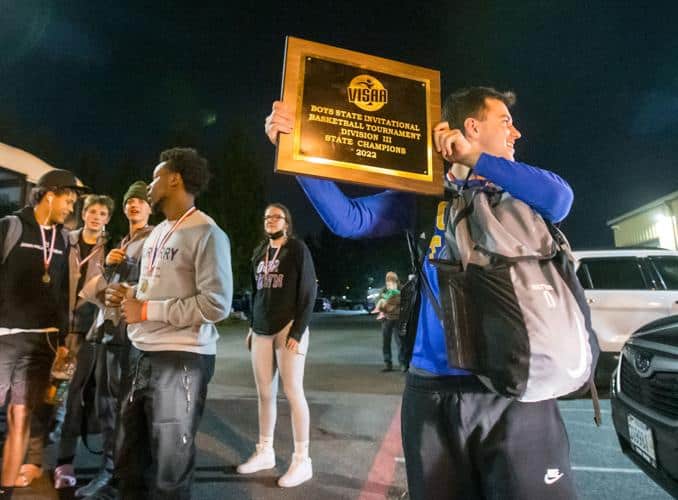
184, 288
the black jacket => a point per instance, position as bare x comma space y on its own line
25, 301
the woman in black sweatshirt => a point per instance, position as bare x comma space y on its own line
284, 290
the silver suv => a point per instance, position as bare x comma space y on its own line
626, 289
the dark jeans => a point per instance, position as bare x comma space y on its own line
389, 328
111, 368
165, 395
462, 441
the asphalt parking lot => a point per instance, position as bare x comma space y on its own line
354, 428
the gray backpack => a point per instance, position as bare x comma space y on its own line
513, 310
11, 234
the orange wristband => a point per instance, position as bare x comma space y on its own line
144, 310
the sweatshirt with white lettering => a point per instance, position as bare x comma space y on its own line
188, 286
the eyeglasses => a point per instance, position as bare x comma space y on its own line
274, 217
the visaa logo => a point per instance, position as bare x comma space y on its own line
367, 93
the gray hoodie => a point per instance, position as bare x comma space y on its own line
189, 289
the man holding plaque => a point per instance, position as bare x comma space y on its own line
33, 307
461, 440
185, 287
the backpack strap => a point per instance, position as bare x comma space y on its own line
11, 234
417, 262
595, 400
563, 245
464, 212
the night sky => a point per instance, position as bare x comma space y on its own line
597, 82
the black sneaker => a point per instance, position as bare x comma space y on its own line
387, 368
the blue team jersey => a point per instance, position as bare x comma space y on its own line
430, 352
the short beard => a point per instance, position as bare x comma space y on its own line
156, 208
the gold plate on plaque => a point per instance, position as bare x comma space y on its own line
360, 119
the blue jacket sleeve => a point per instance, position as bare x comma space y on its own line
547, 193
378, 215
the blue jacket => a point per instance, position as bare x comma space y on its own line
390, 212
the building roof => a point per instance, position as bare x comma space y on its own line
648, 206
25, 163
624, 252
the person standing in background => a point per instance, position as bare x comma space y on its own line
388, 308
284, 289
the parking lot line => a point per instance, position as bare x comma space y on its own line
614, 470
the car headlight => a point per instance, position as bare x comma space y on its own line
613, 383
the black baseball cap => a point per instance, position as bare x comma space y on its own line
59, 178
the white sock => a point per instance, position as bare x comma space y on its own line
301, 449
266, 441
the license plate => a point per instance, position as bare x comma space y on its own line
641, 438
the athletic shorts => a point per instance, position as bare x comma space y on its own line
25, 364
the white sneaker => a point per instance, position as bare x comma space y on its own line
299, 472
263, 458
64, 477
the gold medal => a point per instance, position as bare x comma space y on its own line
143, 286
47, 256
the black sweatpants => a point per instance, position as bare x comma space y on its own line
164, 398
462, 441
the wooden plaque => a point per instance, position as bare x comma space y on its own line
360, 119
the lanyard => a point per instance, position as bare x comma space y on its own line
47, 256
127, 240
91, 254
160, 242
275, 256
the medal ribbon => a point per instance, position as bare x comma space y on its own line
275, 256
47, 257
127, 240
161, 241
91, 254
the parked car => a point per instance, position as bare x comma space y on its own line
373, 293
240, 305
644, 400
322, 304
625, 289
347, 303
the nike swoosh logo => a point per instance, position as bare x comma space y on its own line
552, 479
